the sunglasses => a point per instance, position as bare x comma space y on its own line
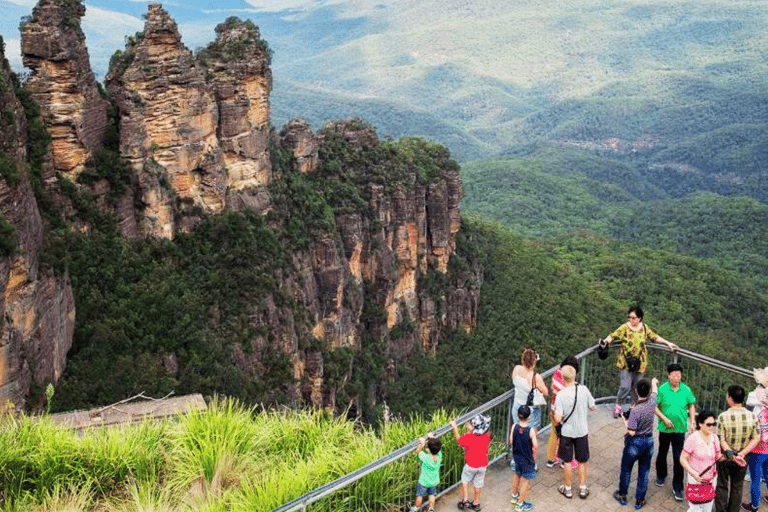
711, 424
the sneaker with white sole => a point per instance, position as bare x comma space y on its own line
524, 506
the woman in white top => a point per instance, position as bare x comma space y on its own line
523, 380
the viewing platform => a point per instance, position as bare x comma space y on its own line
606, 442
388, 484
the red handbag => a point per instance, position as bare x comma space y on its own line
700, 493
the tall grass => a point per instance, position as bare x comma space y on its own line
227, 458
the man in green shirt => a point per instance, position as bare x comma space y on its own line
677, 416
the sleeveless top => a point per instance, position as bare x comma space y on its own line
522, 388
522, 448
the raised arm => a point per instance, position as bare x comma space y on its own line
455, 429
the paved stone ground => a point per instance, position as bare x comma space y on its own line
606, 446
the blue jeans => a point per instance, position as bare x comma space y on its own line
758, 467
638, 449
534, 420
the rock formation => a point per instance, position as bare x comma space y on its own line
53, 47
38, 309
196, 129
196, 133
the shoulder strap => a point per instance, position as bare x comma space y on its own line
575, 399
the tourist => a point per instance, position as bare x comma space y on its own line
676, 410
572, 407
475, 444
700, 453
638, 443
632, 359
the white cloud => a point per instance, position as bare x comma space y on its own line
279, 5
23, 3
13, 53
110, 24
215, 11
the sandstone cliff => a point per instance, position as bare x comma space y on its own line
53, 47
38, 310
361, 231
192, 128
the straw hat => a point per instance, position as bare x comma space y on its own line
761, 376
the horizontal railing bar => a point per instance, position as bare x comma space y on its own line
316, 494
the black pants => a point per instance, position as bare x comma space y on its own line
677, 440
730, 484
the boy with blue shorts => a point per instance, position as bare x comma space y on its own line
430, 471
525, 447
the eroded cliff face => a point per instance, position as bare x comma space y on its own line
192, 128
53, 47
38, 310
379, 259
376, 276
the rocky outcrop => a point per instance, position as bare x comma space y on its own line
373, 272
62, 83
237, 63
381, 256
196, 129
38, 310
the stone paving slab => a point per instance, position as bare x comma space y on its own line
606, 442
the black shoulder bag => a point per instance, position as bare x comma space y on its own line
529, 400
559, 427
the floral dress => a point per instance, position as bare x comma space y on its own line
633, 344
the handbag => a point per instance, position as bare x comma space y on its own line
700, 493
602, 350
529, 400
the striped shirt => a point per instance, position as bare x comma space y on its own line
736, 426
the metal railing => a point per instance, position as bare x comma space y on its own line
389, 483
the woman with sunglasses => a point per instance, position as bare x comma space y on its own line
700, 452
632, 359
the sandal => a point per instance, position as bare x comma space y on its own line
565, 492
583, 493
463, 504
475, 506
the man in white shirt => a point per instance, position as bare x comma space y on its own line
572, 407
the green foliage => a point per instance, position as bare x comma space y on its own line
7, 238
138, 301
236, 40
8, 170
559, 296
121, 59
107, 165
38, 142
232, 457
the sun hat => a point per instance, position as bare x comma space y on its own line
761, 376
480, 424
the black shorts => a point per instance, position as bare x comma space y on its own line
569, 445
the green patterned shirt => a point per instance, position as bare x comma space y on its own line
736, 426
633, 344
